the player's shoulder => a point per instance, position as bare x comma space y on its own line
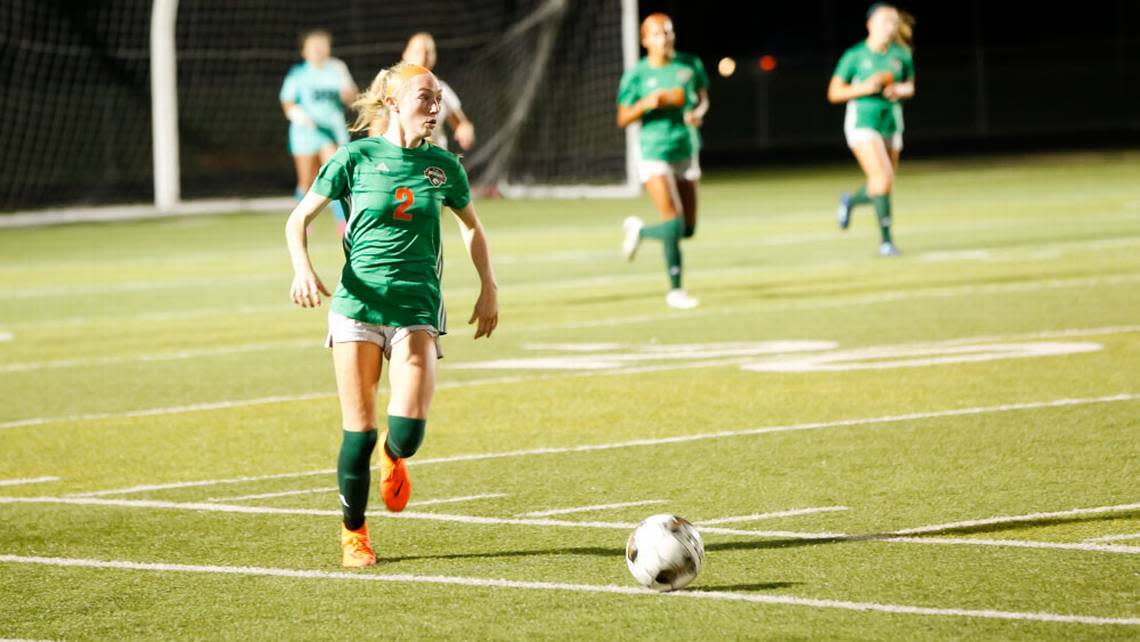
856, 49
687, 59
899, 51
297, 69
441, 155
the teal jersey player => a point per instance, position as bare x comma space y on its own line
393, 254
664, 134
317, 91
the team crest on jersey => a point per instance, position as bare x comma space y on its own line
896, 65
435, 176
683, 75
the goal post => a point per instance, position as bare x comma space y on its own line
164, 105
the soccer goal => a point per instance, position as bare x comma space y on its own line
175, 102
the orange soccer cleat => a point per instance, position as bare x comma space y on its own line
395, 487
355, 547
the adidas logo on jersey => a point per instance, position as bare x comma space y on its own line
382, 166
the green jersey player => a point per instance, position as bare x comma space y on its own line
872, 77
388, 302
668, 92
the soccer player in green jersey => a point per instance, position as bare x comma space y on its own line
313, 97
388, 303
872, 77
668, 92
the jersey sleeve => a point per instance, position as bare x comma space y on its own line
907, 66
290, 91
341, 70
845, 70
450, 98
458, 193
628, 89
700, 74
332, 180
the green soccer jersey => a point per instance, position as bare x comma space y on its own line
860, 62
664, 134
393, 255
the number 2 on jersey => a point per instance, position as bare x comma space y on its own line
406, 198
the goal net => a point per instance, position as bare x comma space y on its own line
537, 78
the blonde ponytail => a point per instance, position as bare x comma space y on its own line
904, 35
371, 106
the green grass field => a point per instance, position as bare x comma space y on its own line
945, 445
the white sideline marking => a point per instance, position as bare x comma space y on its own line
27, 480
496, 521
158, 356
454, 500
653, 442
561, 586
1114, 538
98, 289
150, 412
759, 516
5, 336
935, 528
890, 357
286, 493
586, 509
1015, 543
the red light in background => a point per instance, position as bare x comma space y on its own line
767, 63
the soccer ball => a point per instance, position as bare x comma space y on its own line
664, 552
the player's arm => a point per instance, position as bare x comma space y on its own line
628, 114
307, 288
900, 90
841, 91
463, 130
475, 238
696, 117
348, 88
296, 114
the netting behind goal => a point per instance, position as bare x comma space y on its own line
537, 77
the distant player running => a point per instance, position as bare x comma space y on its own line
668, 92
313, 97
389, 302
421, 51
872, 77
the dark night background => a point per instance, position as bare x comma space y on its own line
991, 76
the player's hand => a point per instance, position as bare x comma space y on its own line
465, 135
693, 120
652, 101
890, 92
307, 289
486, 312
298, 117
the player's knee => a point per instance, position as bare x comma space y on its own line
405, 435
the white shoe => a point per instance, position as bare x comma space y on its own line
680, 300
888, 249
632, 226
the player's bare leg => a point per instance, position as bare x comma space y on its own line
357, 366
411, 376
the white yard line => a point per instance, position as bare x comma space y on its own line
455, 500
1015, 543
27, 480
1114, 538
595, 507
160, 356
1013, 519
842, 423
557, 523
237, 403
173, 410
759, 516
286, 493
786, 600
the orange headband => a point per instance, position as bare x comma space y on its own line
405, 73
